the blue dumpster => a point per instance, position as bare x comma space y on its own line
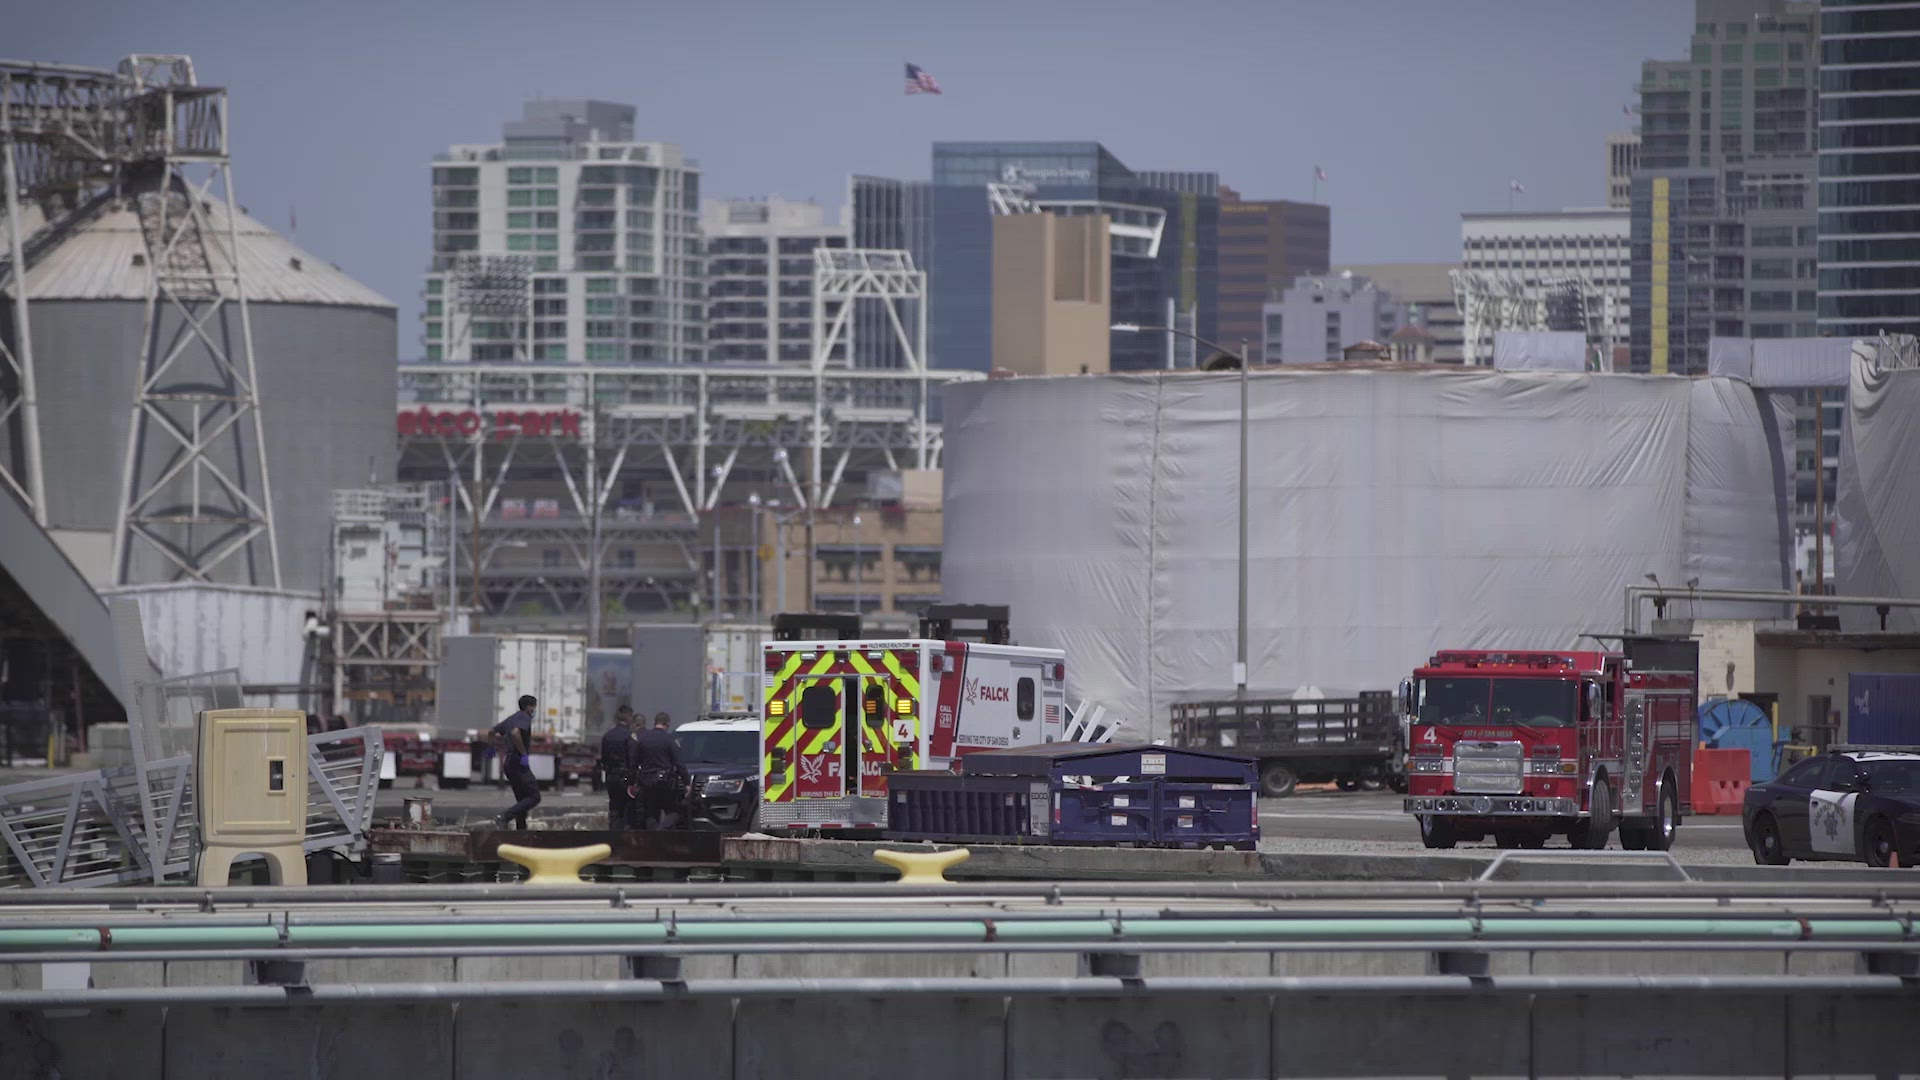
1141, 795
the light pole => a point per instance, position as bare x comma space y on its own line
858, 574
1240, 648
753, 562
780, 523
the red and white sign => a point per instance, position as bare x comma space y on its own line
502, 423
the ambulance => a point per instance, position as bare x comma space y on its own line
839, 716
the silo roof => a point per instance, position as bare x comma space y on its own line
98, 262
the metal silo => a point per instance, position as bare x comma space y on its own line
181, 388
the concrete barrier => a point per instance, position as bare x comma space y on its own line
971, 1036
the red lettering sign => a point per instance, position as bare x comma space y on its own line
993, 693
505, 424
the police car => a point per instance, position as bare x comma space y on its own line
1855, 804
722, 754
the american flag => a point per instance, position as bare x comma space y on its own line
919, 82
1052, 715
1515, 185
1626, 110
1319, 173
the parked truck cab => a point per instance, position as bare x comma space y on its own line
1525, 745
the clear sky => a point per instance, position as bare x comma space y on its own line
1417, 109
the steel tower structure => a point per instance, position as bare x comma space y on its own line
195, 500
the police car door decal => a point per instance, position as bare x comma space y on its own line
1830, 822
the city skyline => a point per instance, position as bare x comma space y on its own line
334, 117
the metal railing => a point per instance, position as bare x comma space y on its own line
89, 829
343, 776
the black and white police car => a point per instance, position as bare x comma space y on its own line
1854, 804
722, 754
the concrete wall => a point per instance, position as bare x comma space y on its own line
1799, 674
1051, 308
1145, 1034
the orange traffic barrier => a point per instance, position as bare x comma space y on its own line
1720, 780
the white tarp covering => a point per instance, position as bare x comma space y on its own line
1539, 350
1784, 363
1878, 502
1393, 513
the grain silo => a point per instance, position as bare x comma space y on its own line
165, 337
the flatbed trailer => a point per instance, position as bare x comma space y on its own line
1349, 741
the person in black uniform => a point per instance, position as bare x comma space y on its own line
659, 774
616, 764
514, 737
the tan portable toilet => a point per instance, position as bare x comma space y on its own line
251, 786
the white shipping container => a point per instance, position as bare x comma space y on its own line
734, 666
609, 686
483, 676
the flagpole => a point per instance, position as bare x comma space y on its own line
1316, 184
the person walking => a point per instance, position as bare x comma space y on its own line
659, 775
513, 738
617, 753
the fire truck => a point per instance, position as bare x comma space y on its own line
1521, 746
840, 714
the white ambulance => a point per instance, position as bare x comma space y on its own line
838, 716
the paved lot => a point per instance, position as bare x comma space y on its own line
1376, 817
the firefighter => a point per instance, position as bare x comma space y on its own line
616, 764
660, 779
513, 738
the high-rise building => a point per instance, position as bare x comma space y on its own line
1623, 157
1723, 205
1720, 253
566, 240
1264, 246
1318, 316
1573, 257
888, 215
1869, 168
1163, 231
1745, 93
760, 278
1425, 293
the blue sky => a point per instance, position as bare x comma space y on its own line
1417, 109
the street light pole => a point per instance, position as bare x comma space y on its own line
1240, 661
1240, 642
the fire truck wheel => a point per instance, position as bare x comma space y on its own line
1276, 780
1661, 832
1592, 831
1435, 833
1768, 848
1398, 784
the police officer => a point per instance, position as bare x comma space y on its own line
659, 775
616, 764
514, 739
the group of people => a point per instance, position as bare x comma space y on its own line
647, 787
646, 784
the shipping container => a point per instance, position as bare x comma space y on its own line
483, 675
690, 670
609, 686
1883, 709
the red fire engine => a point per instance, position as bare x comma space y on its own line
1522, 746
